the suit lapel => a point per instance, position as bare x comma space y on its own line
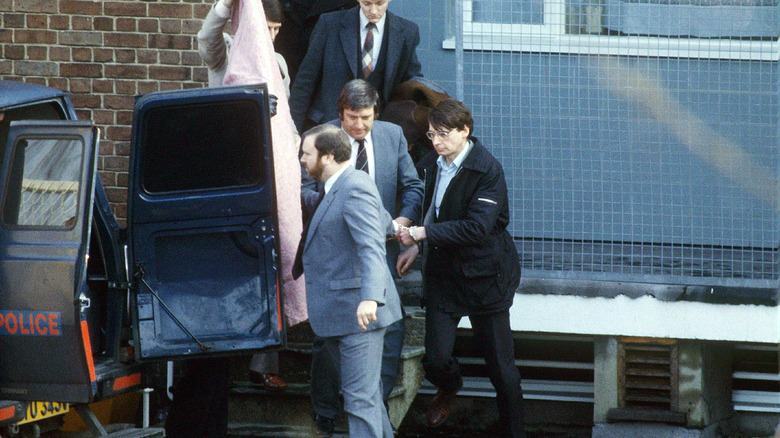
348, 34
322, 209
394, 44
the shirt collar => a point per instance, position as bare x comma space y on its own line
364, 22
442, 163
332, 180
352, 140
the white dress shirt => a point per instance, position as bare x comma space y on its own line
369, 153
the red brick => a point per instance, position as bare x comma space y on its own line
81, 23
102, 86
85, 100
125, 87
80, 7
170, 57
124, 118
169, 86
121, 179
37, 53
191, 27
103, 24
83, 114
6, 35
46, 6
82, 54
148, 25
81, 70
170, 26
114, 101
35, 21
126, 24
170, 73
58, 83
125, 40
120, 211
24, 36
107, 178
59, 22
124, 56
80, 38
14, 52
146, 56
126, 9
103, 117
6, 5
126, 71
202, 10
191, 85
59, 53
161, 41
145, 87
80, 85
11, 21
117, 163
35, 80
170, 10
191, 58
103, 55
200, 75
115, 194
5, 68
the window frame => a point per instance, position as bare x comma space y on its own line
552, 38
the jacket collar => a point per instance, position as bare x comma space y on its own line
476, 160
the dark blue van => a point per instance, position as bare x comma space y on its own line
84, 303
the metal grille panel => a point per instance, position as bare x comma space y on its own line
639, 137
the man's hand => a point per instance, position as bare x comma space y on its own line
405, 259
405, 236
403, 221
366, 312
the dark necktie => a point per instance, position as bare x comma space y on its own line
361, 159
297, 268
368, 46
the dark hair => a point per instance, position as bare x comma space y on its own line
331, 140
273, 11
451, 113
358, 94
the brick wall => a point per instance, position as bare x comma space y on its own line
104, 53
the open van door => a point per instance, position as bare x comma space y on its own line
202, 224
47, 177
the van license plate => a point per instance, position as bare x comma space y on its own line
39, 410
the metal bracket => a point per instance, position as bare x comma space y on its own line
140, 277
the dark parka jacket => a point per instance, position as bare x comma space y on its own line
468, 243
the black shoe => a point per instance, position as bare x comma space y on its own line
323, 426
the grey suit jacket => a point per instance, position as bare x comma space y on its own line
331, 62
395, 175
343, 258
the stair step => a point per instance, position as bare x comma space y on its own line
262, 430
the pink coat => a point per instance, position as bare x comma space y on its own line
252, 60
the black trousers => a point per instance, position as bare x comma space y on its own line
200, 400
493, 334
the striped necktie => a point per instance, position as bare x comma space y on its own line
361, 159
368, 47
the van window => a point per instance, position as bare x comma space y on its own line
202, 147
43, 189
38, 111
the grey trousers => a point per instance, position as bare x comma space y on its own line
360, 357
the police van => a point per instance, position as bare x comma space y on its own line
87, 305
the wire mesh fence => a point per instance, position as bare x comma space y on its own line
639, 137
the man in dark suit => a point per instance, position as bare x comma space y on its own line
470, 268
350, 294
379, 149
365, 42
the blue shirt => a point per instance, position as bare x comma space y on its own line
446, 173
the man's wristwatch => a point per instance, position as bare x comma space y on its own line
411, 234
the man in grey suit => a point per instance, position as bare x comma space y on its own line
379, 149
350, 294
365, 42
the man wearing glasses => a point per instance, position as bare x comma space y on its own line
470, 268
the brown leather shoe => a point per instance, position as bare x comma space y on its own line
271, 382
440, 406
